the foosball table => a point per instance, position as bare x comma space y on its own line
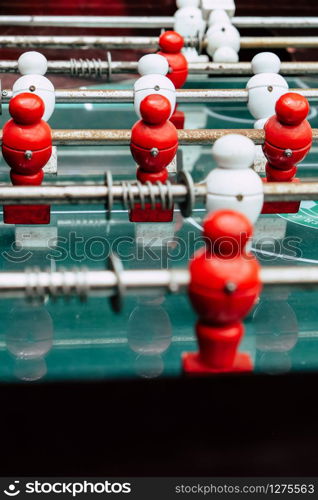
158, 297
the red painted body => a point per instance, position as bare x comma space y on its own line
171, 44
221, 309
27, 180
154, 144
288, 139
20, 164
26, 133
178, 119
152, 164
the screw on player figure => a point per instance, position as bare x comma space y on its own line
224, 285
171, 44
33, 65
26, 147
288, 139
233, 184
154, 143
153, 69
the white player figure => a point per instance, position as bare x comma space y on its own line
153, 69
187, 3
233, 184
209, 6
190, 23
223, 39
265, 87
33, 66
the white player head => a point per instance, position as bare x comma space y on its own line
32, 63
218, 16
234, 151
188, 21
225, 55
187, 3
153, 64
265, 62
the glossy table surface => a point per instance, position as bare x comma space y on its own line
74, 340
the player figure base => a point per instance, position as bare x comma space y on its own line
148, 214
26, 214
192, 365
281, 207
178, 119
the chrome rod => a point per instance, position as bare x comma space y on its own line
99, 193
97, 67
85, 283
184, 96
151, 21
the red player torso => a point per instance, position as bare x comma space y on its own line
146, 137
179, 68
281, 137
18, 138
209, 277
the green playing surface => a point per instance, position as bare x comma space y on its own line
69, 339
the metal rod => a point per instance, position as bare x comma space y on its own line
103, 137
151, 22
199, 137
99, 193
184, 96
99, 68
80, 282
147, 43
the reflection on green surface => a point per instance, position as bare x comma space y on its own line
68, 339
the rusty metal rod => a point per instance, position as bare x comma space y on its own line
199, 137
146, 43
108, 137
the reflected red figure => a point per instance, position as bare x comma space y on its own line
288, 139
224, 286
26, 147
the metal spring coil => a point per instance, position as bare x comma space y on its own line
35, 290
129, 200
86, 67
194, 42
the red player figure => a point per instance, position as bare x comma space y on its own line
154, 143
171, 43
288, 139
26, 147
224, 286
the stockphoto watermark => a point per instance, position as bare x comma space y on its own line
70, 488
75, 249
